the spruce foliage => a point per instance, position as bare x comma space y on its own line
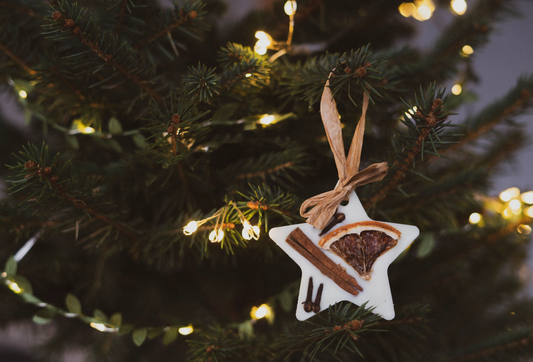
144, 117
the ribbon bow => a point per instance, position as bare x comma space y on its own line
325, 204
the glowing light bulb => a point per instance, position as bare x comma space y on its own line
529, 211
410, 112
515, 204
185, 331
290, 7
510, 193
23, 94
246, 230
248, 75
474, 218
216, 236
260, 50
527, 197
263, 43
457, 89
267, 119
250, 232
467, 50
190, 228
423, 13
458, 6
98, 326
264, 311
407, 9
524, 229
507, 213
261, 35
14, 287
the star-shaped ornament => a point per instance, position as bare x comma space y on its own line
348, 262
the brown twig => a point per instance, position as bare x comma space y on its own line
263, 174
400, 321
45, 173
491, 239
121, 16
184, 19
173, 131
493, 350
521, 101
401, 168
80, 204
17, 60
108, 58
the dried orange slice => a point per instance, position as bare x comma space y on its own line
361, 243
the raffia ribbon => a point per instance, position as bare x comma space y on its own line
325, 205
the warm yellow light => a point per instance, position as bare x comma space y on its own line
457, 89
261, 35
14, 287
267, 119
529, 211
510, 193
290, 7
459, 6
98, 326
411, 111
260, 50
467, 49
407, 9
190, 228
422, 13
263, 43
248, 75
474, 218
185, 331
216, 236
507, 213
250, 232
263, 311
527, 197
88, 130
515, 204
505, 196
4, 274
246, 231
524, 229
23, 94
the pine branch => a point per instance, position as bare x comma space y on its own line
502, 352
514, 103
40, 173
17, 60
429, 117
185, 18
122, 13
69, 25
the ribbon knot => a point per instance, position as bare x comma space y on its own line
324, 205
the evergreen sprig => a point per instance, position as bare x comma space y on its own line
328, 333
202, 82
353, 74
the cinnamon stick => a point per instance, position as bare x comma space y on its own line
303, 245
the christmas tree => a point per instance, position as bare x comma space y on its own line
160, 149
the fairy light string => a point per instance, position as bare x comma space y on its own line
19, 285
249, 231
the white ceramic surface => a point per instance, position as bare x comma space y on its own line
376, 291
